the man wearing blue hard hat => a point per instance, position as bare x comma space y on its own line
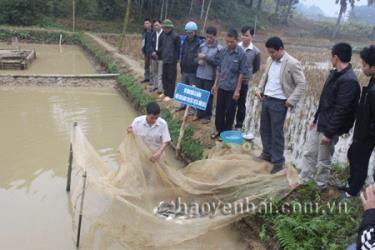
189, 45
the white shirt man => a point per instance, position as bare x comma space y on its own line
153, 130
273, 87
158, 33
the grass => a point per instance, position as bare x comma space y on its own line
308, 219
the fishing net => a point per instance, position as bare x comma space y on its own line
141, 204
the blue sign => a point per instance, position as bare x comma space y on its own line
191, 96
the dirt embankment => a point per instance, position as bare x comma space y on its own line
10, 81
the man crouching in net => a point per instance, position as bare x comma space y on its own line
153, 130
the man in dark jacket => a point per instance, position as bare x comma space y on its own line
169, 53
189, 46
335, 116
364, 131
147, 47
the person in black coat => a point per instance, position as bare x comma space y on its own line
364, 132
147, 47
170, 55
335, 116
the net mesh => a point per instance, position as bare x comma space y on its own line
141, 204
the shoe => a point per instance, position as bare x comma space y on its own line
238, 127
263, 158
145, 80
276, 168
154, 89
191, 112
181, 108
343, 187
344, 196
322, 187
161, 95
166, 99
215, 135
205, 120
296, 186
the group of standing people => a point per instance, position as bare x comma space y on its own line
226, 72
205, 64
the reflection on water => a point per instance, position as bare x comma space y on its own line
49, 60
35, 130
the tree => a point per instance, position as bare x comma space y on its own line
369, 3
191, 7
277, 6
343, 8
205, 19
126, 22
288, 10
259, 7
202, 10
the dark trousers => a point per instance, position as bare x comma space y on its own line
225, 110
147, 66
272, 129
358, 155
241, 106
206, 85
169, 78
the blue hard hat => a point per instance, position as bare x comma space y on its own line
191, 27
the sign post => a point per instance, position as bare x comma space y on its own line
190, 96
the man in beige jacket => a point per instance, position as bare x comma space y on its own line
282, 85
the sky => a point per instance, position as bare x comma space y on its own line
328, 6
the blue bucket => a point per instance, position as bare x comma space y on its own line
232, 136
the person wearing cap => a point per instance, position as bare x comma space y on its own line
189, 45
170, 53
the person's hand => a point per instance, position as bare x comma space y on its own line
201, 56
154, 56
236, 95
288, 105
368, 197
130, 129
312, 126
213, 90
155, 157
325, 140
260, 97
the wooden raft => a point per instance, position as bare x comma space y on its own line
16, 59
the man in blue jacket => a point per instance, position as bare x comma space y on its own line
147, 47
189, 55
